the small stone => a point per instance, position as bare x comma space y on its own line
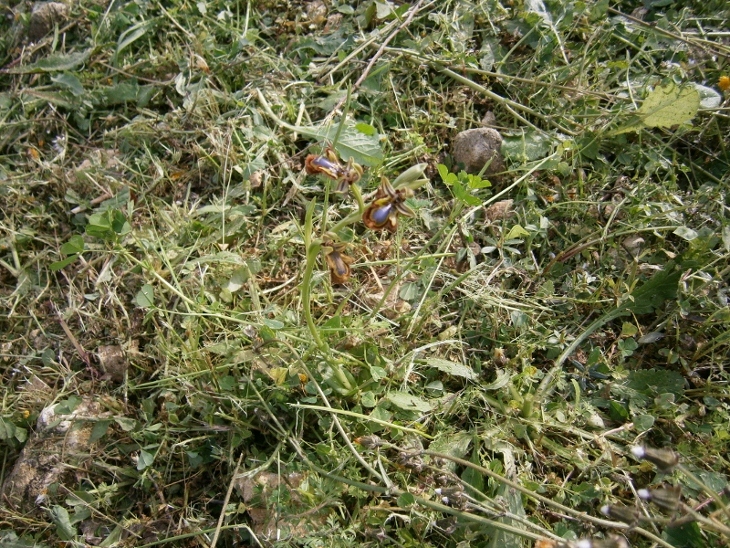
499, 210
44, 16
113, 362
474, 148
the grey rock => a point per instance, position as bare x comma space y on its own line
44, 16
473, 148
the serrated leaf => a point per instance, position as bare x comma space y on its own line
452, 368
54, 63
408, 402
670, 105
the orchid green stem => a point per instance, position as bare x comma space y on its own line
313, 247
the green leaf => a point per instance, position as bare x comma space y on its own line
501, 381
7, 429
669, 105
99, 430
618, 412
145, 460
366, 129
74, 245
239, 277
452, 368
470, 475
63, 263
145, 297
455, 445
378, 373
67, 406
642, 423
499, 538
527, 147
446, 176
276, 325
408, 402
405, 500
475, 183
686, 233
516, 232
54, 63
461, 193
352, 143
126, 423
69, 82
656, 381
132, 34
368, 399
688, 535
661, 287
64, 529
108, 224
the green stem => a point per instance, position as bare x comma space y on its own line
547, 501
313, 248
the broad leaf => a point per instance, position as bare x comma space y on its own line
498, 538
408, 402
670, 105
452, 368
145, 297
351, 143
661, 287
54, 63
656, 381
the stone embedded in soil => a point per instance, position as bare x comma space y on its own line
44, 16
474, 148
60, 444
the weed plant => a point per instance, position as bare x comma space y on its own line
242, 267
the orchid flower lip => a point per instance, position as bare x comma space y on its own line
381, 214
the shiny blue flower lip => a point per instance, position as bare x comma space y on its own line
329, 165
383, 211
